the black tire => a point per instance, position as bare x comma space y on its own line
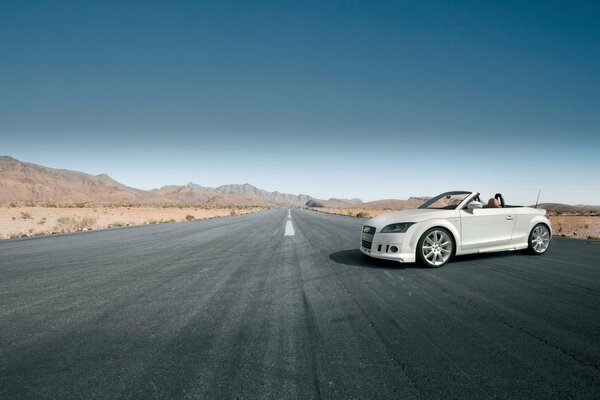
442, 253
539, 239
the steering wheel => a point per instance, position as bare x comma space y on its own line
500, 199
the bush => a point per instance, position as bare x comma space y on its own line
72, 224
362, 215
189, 217
232, 212
25, 215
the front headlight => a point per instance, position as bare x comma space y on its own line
397, 228
369, 229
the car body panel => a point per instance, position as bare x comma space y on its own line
486, 227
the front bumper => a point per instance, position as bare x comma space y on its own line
400, 257
388, 246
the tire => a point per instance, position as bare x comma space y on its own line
539, 239
435, 247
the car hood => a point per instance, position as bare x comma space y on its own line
416, 215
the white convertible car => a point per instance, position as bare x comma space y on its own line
455, 223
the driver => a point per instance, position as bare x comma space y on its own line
493, 203
496, 202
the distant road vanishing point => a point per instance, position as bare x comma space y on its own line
235, 308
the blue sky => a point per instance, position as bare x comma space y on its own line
332, 99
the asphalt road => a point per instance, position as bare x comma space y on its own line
232, 308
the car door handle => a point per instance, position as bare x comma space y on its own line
510, 217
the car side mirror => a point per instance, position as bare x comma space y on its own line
473, 206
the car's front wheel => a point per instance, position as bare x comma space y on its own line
539, 239
435, 247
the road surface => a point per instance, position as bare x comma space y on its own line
256, 306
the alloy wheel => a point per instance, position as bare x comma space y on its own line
437, 247
540, 239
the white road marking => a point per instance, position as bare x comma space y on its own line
289, 228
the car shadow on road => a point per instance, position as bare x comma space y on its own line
491, 256
355, 258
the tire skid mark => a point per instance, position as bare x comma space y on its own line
397, 325
313, 338
244, 332
382, 338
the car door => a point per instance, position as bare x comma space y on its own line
486, 227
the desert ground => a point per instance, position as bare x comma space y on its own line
574, 226
37, 221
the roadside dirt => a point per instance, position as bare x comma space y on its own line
37, 221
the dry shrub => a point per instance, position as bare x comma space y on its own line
189, 217
74, 224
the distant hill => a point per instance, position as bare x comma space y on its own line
341, 203
196, 194
26, 182
232, 194
22, 182
250, 191
393, 204
557, 208
313, 204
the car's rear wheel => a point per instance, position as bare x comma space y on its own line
435, 248
539, 239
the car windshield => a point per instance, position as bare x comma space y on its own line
445, 201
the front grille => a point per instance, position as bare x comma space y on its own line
367, 236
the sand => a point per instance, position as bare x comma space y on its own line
36, 221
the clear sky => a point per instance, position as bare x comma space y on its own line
333, 99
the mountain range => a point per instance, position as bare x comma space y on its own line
24, 182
